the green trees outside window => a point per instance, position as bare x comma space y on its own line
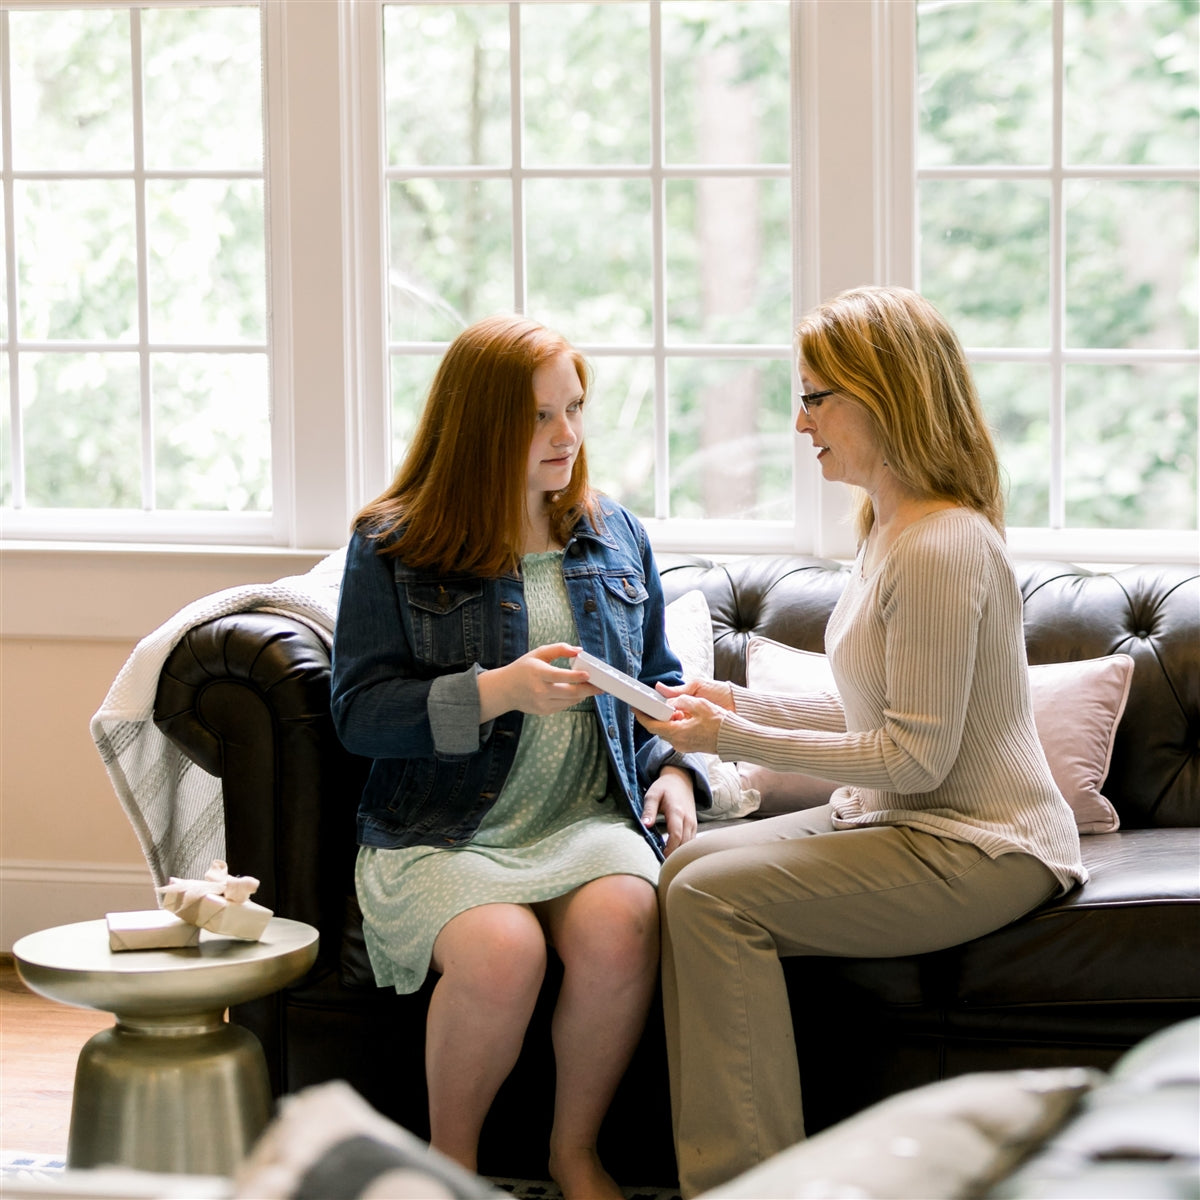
626, 172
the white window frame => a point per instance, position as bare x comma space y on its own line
145, 523
854, 197
1055, 540
855, 215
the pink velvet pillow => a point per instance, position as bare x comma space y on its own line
1077, 707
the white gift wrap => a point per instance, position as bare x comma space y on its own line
246, 920
219, 902
149, 929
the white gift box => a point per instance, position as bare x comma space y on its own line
149, 929
246, 920
219, 902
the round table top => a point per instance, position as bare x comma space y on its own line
73, 964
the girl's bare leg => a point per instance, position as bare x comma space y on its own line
606, 934
492, 961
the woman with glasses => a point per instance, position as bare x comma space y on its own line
947, 823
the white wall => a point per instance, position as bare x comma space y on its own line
69, 618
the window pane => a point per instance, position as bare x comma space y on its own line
1016, 401
82, 430
72, 90
984, 81
586, 83
446, 72
588, 288
729, 260
207, 271
1132, 252
1122, 48
985, 259
212, 432
76, 259
103, 224
731, 437
1131, 447
588, 254
451, 256
619, 429
202, 82
726, 82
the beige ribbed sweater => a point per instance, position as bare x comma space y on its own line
933, 725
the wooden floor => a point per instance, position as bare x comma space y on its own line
40, 1040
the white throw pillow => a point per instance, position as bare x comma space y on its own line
690, 635
781, 670
1077, 707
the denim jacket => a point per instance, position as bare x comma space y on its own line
410, 642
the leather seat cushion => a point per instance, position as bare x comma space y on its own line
1129, 935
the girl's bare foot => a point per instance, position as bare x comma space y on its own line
580, 1176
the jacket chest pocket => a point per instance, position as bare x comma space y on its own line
625, 597
446, 622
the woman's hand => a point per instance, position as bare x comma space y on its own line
696, 725
532, 684
671, 795
715, 691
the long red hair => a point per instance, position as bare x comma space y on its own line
458, 500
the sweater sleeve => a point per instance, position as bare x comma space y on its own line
903, 642
809, 710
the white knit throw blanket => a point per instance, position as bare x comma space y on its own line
174, 805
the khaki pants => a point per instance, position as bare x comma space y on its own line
792, 885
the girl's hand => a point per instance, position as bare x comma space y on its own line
532, 684
715, 691
694, 728
671, 795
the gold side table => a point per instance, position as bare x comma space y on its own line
172, 1086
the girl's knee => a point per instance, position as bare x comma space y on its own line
619, 936
502, 955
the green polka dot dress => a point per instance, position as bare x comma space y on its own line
553, 827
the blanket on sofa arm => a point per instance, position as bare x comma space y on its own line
174, 805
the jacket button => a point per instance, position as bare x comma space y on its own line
612, 731
589, 605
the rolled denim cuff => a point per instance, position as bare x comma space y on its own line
454, 713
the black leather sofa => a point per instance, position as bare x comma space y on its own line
1076, 983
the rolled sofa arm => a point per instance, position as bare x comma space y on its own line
246, 697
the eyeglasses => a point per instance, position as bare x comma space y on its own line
811, 400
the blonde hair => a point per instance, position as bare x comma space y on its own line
889, 349
459, 497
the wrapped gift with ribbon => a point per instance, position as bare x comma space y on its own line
219, 902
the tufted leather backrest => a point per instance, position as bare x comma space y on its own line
1071, 613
